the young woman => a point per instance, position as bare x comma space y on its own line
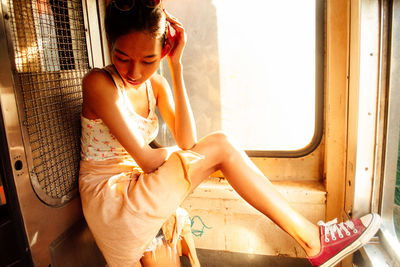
130, 190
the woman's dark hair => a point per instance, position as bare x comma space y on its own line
139, 18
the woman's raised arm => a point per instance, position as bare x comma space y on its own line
178, 115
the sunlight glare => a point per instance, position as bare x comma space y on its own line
267, 45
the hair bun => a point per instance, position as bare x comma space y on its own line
145, 15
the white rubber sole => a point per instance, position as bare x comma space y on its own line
358, 243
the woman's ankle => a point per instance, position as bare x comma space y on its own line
313, 248
313, 245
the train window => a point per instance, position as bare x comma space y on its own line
51, 43
254, 69
50, 58
63, 33
390, 196
390, 206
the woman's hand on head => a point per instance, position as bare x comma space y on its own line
178, 40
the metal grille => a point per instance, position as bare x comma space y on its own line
50, 55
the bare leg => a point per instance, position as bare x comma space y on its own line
253, 186
163, 256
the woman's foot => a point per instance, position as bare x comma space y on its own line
338, 240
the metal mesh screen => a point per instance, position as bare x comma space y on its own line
50, 55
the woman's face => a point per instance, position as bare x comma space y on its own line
136, 57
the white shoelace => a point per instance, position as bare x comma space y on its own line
332, 227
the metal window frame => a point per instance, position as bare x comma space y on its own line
8, 102
95, 46
387, 234
366, 103
387, 251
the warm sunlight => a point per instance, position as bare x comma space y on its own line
267, 70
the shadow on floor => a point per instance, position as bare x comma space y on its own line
213, 258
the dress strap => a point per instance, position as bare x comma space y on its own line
150, 96
118, 82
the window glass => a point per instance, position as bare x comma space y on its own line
46, 35
250, 69
267, 65
396, 207
63, 33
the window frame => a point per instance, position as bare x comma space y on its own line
387, 233
386, 252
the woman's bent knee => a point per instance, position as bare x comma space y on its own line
219, 146
223, 142
219, 139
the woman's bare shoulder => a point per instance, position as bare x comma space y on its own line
99, 82
96, 75
158, 83
99, 93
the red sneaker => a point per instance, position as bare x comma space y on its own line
341, 239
